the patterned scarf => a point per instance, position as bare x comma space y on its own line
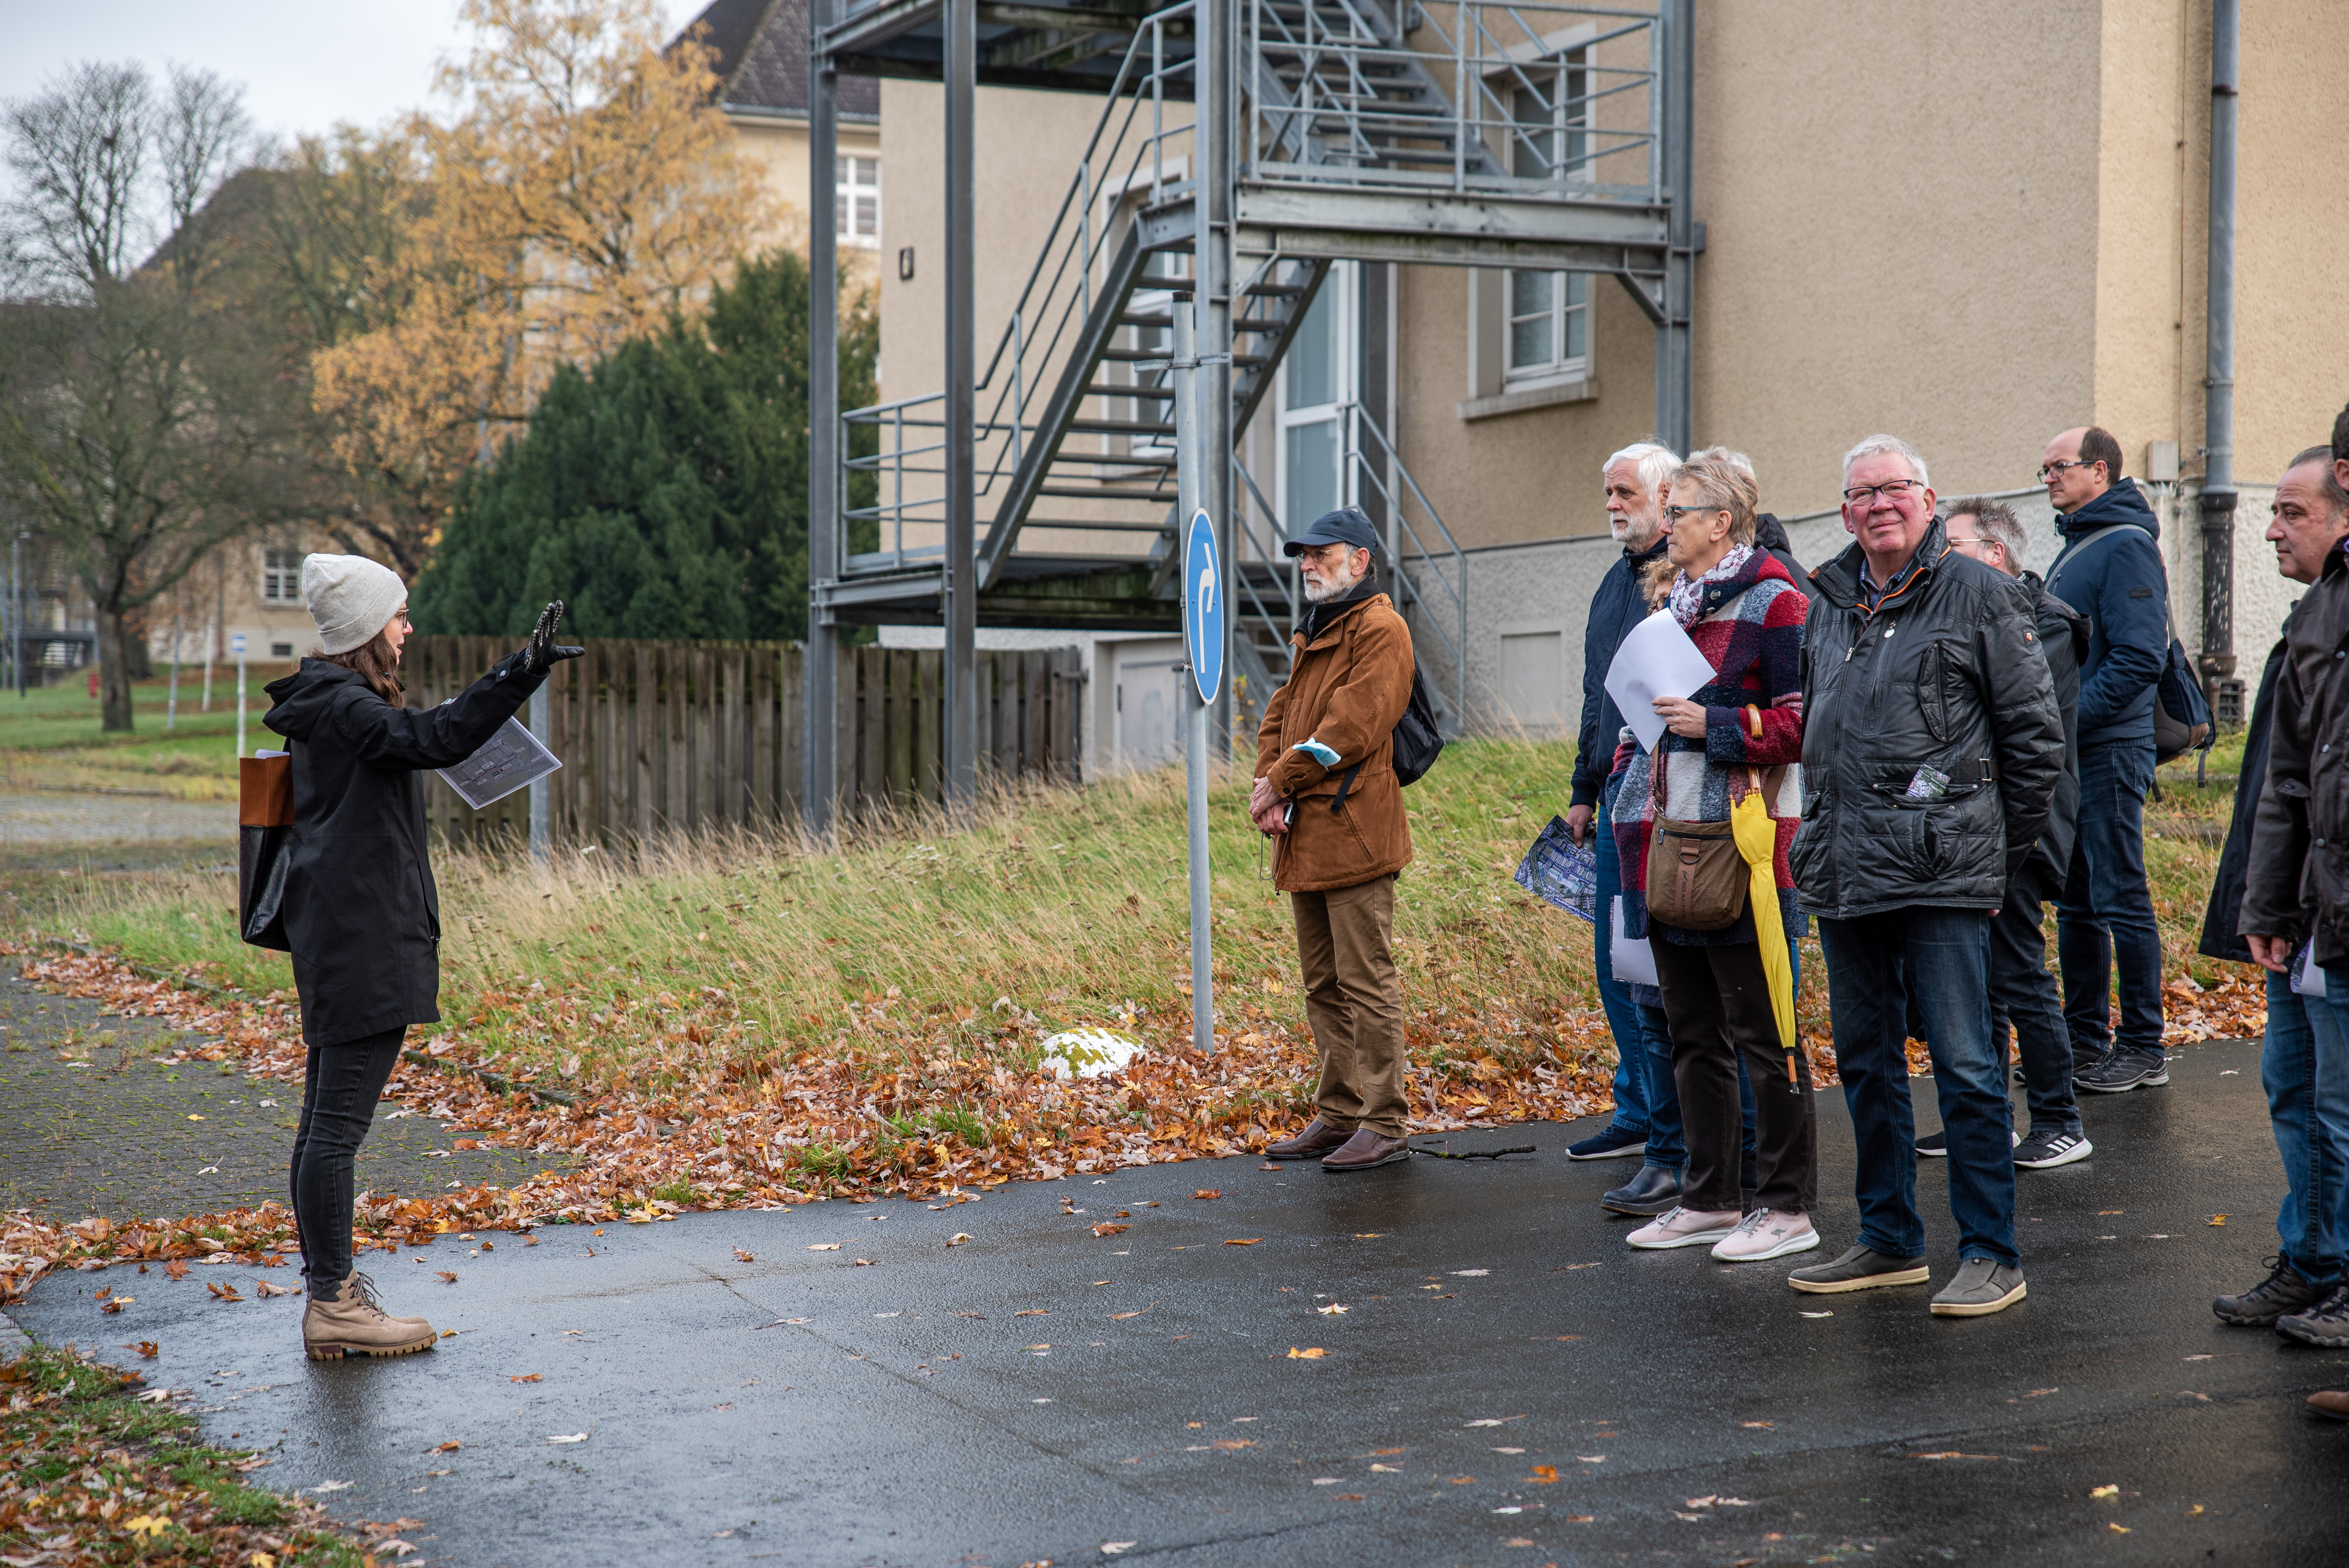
1688, 593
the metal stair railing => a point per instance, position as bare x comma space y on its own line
1339, 73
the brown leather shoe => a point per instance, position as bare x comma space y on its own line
1319, 1138
1367, 1148
353, 1323
2331, 1403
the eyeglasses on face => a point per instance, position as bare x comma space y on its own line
1674, 513
1865, 495
2049, 470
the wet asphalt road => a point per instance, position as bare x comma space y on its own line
1691, 1412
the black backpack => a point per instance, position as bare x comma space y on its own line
1417, 742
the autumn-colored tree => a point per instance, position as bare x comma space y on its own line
586, 188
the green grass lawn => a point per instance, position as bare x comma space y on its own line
51, 737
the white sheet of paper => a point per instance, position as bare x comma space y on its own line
2310, 981
1634, 961
1656, 660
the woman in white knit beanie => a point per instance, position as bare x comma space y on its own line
360, 914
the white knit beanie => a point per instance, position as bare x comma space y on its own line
351, 598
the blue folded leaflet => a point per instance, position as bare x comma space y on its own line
1558, 871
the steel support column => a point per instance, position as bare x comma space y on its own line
1217, 86
820, 785
961, 19
1675, 354
2218, 660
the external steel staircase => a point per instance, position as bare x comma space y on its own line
1527, 135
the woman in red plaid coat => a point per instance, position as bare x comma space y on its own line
1741, 732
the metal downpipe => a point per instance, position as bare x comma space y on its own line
2217, 662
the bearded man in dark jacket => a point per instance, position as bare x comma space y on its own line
1931, 747
2110, 571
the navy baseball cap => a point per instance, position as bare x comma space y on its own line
1347, 525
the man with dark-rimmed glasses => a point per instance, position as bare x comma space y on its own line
1932, 744
2110, 571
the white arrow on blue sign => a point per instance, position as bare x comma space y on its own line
1203, 606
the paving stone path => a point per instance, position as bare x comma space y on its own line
92, 1121
45, 819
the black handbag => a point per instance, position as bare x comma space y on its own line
264, 816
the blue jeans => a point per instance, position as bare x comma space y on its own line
1632, 1044
1942, 957
2104, 916
2305, 1067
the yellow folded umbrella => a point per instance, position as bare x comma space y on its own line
1758, 842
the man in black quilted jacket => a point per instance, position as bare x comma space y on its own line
1931, 747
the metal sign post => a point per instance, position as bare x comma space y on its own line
237, 646
1204, 621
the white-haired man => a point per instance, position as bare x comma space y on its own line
1634, 479
1932, 744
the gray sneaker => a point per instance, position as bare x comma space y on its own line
2326, 1323
1980, 1288
2045, 1150
2121, 1069
1861, 1268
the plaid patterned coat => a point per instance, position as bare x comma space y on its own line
1751, 631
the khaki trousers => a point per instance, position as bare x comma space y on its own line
1353, 998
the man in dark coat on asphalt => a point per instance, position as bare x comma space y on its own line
2021, 992
2277, 884
2110, 571
1932, 745
1634, 479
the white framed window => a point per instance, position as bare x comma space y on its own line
281, 576
857, 210
1546, 337
1318, 381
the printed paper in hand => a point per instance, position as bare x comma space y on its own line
2307, 975
1634, 960
1656, 660
1559, 871
507, 760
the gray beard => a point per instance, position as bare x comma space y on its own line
1329, 591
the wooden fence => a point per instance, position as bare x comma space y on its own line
664, 737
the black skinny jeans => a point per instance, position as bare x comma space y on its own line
340, 1088
2023, 994
1718, 1002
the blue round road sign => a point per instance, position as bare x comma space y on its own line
1203, 606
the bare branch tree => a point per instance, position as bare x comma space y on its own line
140, 414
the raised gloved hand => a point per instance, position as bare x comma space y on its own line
544, 652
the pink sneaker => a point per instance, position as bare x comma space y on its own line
1767, 1233
1678, 1227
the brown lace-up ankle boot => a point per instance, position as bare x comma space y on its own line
353, 1323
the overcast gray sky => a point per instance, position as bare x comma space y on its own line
304, 64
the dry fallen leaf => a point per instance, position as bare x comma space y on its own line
1313, 1354
1580, 1518
118, 1302
446, 1276
1243, 1241
1233, 1443
864, 1262
1332, 1310
1106, 1229
147, 1348
958, 1238
222, 1292
743, 1256
2117, 1529
451, 1447
1033, 1312
2106, 1492
526, 1378
177, 1268
826, 1247
1121, 1316
1208, 1192
265, 1290
1543, 1475
2216, 1219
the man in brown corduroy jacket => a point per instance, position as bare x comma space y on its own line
1326, 787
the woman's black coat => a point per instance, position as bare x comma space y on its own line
361, 912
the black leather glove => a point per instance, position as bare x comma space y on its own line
544, 652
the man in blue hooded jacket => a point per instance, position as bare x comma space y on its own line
2110, 571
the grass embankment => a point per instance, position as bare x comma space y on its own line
92, 1473
51, 737
1067, 906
